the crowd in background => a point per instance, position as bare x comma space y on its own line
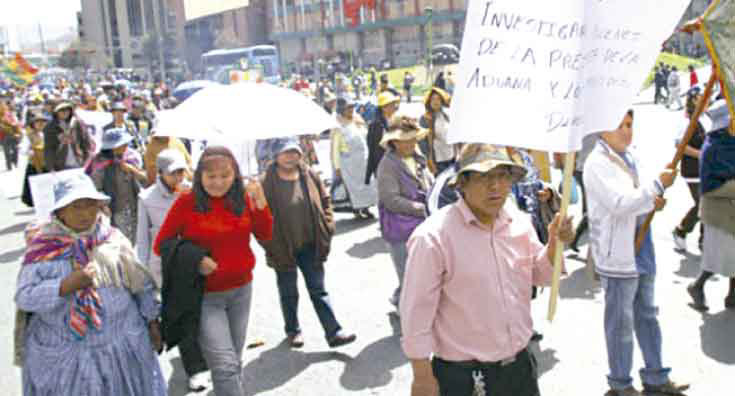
145, 225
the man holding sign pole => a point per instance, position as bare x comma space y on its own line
469, 305
617, 204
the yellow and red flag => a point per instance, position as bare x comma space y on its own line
19, 70
718, 29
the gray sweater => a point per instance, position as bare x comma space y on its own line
393, 194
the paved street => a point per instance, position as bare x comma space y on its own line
360, 278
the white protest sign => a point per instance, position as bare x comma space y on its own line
542, 74
42, 190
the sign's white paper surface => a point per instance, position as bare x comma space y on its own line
542, 74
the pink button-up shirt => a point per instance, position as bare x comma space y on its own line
467, 288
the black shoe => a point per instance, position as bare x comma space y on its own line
367, 214
341, 339
730, 301
296, 341
574, 247
698, 301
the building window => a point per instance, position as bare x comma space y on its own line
104, 27
149, 21
113, 19
235, 25
162, 15
135, 18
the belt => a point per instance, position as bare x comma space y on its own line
477, 364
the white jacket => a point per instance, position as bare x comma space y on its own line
613, 204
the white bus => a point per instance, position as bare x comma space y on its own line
217, 63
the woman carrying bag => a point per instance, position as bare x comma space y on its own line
403, 183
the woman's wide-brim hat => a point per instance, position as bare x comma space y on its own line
37, 115
72, 187
395, 132
386, 98
119, 106
444, 95
62, 106
483, 158
114, 138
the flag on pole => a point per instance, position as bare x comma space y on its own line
718, 29
19, 70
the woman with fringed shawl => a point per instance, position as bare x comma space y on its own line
118, 172
87, 321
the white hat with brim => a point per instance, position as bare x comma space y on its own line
114, 138
74, 187
485, 157
62, 106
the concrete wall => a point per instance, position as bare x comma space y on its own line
94, 37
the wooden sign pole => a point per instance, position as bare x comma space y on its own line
701, 105
559, 251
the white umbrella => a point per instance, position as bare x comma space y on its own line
247, 111
189, 126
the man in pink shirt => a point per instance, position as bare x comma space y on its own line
467, 288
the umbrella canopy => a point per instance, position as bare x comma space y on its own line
184, 90
246, 111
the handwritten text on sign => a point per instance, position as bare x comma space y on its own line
542, 74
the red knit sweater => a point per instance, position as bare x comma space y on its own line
226, 236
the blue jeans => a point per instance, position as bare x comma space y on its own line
288, 291
399, 255
222, 331
629, 306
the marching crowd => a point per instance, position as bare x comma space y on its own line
147, 249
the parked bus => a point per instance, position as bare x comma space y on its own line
217, 63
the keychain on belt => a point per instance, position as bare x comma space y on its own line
479, 383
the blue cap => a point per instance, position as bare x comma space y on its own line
114, 138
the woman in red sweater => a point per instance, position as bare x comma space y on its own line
219, 214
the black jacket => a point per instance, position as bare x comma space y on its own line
376, 129
182, 290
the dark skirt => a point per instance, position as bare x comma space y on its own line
26, 196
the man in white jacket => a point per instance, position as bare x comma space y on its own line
617, 204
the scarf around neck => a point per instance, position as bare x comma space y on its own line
53, 240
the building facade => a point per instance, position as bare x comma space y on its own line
119, 31
228, 25
370, 32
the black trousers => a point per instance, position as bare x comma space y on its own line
191, 356
10, 149
692, 217
517, 378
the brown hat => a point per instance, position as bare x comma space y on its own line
482, 158
402, 128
